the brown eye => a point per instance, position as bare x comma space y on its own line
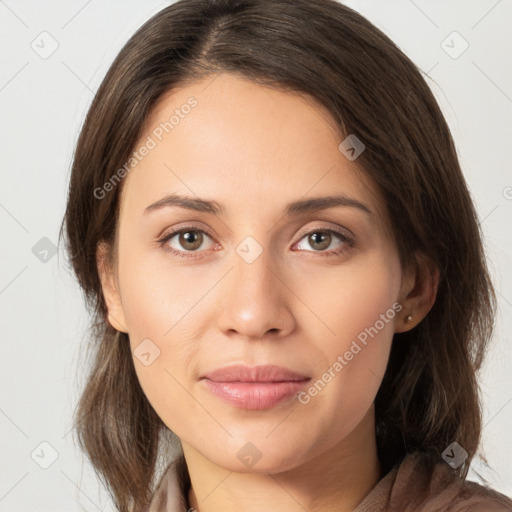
190, 240
320, 240
326, 242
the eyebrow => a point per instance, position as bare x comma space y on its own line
295, 208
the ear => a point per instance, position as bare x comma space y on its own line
418, 293
110, 288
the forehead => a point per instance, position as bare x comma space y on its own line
228, 138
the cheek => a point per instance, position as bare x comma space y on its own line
158, 306
351, 299
357, 310
163, 375
159, 299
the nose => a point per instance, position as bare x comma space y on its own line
255, 301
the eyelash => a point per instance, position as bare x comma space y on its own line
349, 242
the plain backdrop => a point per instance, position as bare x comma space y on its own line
46, 87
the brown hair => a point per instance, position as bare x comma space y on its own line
429, 395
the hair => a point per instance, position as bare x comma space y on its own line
429, 396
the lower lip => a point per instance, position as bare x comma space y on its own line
255, 395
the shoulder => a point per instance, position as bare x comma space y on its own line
421, 485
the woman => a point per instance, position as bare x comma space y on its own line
269, 221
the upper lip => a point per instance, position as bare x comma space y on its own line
266, 373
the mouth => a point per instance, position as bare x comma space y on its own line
256, 388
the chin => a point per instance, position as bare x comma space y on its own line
249, 457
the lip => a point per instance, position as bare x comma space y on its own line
265, 373
255, 388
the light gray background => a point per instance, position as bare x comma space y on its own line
43, 102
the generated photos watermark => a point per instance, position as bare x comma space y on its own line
355, 348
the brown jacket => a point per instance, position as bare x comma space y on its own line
410, 487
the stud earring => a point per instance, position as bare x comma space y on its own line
408, 319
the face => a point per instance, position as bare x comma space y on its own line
248, 270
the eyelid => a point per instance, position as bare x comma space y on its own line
332, 227
184, 227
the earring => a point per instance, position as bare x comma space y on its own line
408, 319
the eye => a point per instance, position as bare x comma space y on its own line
189, 240
186, 240
322, 239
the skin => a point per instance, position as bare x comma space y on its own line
253, 150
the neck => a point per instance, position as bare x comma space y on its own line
337, 479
